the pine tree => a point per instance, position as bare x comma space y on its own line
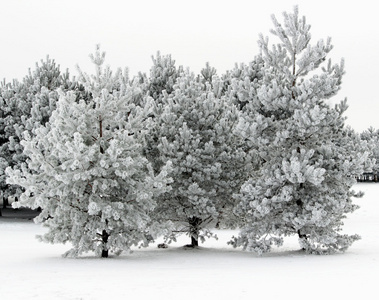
86, 170
194, 129
25, 106
14, 108
309, 158
163, 75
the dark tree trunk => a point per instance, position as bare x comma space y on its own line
101, 133
16, 200
194, 242
300, 204
104, 254
302, 236
104, 237
5, 202
194, 223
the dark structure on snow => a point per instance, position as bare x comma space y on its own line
369, 177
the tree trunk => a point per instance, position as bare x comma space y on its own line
104, 254
302, 236
194, 242
104, 237
300, 204
194, 223
5, 202
101, 133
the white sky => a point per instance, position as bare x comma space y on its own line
193, 32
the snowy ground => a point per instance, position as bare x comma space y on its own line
33, 270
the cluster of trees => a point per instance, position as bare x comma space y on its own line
371, 136
114, 161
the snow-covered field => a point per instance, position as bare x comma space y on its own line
33, 270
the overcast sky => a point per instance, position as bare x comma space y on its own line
193, 32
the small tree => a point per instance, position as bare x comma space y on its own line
309, 158
86, 171
163, 75
372, 137
194, 129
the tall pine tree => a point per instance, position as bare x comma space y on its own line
85, 168
26, 105
194, 129
309, 158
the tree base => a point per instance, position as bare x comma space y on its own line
190, 246
194, 244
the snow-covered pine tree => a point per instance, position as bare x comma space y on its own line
13, 107
194, 129
26, 105
86, 171
309, 158
163, 75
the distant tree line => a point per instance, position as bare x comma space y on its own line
371, 136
